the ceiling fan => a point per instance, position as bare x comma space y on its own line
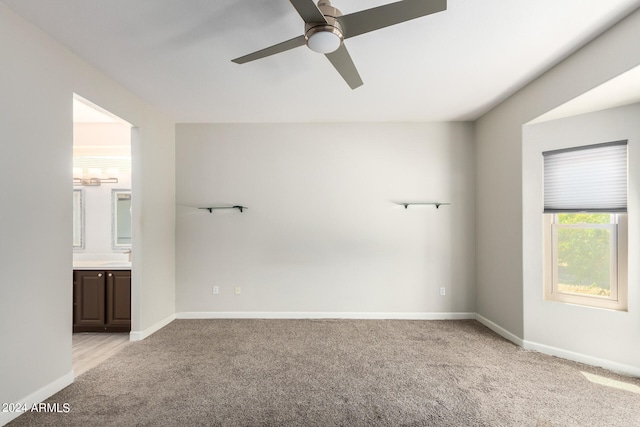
326, 29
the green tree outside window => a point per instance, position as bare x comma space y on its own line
584, 254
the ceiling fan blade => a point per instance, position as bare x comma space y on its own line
375, 18
272, 50
308, 10
342, 62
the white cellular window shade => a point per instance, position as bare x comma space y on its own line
586, 179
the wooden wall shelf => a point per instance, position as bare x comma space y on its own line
436, 204
212, 208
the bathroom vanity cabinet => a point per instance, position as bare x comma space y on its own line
101, 300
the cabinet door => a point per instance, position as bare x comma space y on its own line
88, 303
119, 298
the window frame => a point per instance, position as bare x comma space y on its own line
619, 255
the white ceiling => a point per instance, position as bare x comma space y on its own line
620, 90
454, 65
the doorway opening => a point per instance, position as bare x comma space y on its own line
102, 233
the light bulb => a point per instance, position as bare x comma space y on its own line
324, 41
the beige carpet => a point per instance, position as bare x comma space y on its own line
339, 373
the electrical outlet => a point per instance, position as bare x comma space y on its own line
237, 290
216, 290
443, 291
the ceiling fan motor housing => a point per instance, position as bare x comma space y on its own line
324, 37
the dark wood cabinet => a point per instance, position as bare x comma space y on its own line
101, 301
88, 300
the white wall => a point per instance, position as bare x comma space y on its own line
322, 234
601, 334
38, 79
499, 191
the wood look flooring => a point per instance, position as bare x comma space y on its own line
91, 349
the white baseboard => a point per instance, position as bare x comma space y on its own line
320, 315
558, 352
39, 396
140, 335
500, 330
620, 368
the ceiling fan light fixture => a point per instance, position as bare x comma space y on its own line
325, 29
324, 39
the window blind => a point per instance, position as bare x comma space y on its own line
586, 179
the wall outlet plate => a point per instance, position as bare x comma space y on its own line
443, 291
216, 290
237, 290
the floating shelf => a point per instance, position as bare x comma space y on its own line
212, 208
436, 204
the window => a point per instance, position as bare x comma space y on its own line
586, 259
585, 225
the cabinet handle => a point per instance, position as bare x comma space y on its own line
110, 275
99, 274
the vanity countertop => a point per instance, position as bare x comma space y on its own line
101, 265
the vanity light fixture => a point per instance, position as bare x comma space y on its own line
94, 176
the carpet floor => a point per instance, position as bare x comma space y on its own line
339, 373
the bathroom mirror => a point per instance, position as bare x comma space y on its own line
78, 219
121, 218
